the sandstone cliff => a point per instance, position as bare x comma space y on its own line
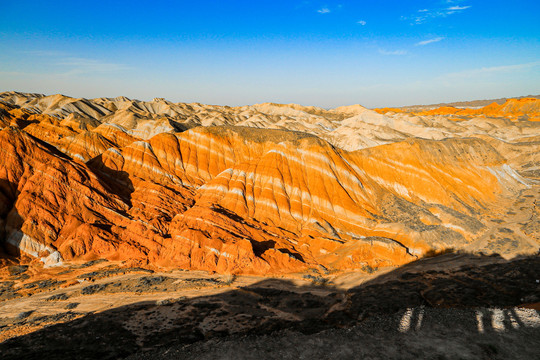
259, 189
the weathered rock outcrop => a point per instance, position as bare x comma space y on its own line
138, 181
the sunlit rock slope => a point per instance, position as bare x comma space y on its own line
259, 189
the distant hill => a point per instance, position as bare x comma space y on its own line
467, 104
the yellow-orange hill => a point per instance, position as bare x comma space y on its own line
76, 186
246, 200
512, 108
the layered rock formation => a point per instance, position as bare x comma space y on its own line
257, 189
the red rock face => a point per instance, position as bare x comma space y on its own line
234, 199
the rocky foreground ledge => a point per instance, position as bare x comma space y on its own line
448, 306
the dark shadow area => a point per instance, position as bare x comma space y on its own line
114, 181
21, 120
8, 195
53, 150
228, 213
10, 255
295, 255
259, 247
181, 126
104, 227
23, 123
453, 296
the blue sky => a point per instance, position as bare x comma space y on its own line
325, 53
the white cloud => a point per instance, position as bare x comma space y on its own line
324, 10
457, 8
45, 53
77, 65
392, 52
361, 22
424, 15
64, 64
14, 73
488, 71
430, 41
73, 65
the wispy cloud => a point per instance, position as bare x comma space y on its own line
77, 65
45, 53
14, 73
328, 9
488, 71
361, 22
392, 52
454, 1
423, 15
73, 65
457, 8
429, 41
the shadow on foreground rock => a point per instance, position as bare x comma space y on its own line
460, 300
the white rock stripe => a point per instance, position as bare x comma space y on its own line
31, 247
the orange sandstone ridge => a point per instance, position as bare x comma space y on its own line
262, 189
511, 109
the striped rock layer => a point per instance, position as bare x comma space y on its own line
243, 200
